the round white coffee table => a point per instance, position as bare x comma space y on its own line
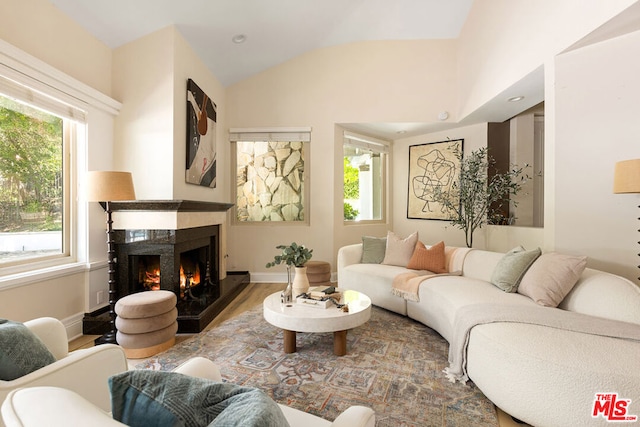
296, 317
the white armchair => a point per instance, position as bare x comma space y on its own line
83, 371
63, 408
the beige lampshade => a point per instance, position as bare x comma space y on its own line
109, 186
626, 178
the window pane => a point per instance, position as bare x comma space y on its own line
363, 184
31, 182
270, 181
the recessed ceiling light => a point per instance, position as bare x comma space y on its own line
516, 98
239, 38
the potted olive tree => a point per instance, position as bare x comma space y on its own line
477, 198
295, 256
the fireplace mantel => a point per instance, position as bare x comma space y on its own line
167, 214
170, 206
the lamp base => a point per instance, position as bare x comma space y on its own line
108, 338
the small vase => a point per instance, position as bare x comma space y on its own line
300, 282
286, 297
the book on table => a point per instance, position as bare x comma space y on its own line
324, 292
320, 297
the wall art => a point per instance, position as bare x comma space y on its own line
432, 165
201, 137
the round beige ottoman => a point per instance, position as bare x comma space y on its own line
318, 273
146, 323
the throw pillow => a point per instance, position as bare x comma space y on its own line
511, 268
148, 398
399, 251
431, 259
21, 351
552, 277
373, 249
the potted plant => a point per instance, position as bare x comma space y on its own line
296, 256
477, 198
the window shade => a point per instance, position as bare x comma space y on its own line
366, 142
270, 134
35, 98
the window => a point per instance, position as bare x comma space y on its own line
35, 135
271, 175
365, 160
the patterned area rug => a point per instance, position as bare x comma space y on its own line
393, 365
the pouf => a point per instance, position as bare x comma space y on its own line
146, 323
318, 273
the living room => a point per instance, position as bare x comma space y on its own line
584, 56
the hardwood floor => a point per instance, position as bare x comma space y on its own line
250, 297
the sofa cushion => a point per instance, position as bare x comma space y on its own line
511, 268
21, 351
399, 251
374, 280
431, 259
172, 399
442, 297
373, 249
552, 277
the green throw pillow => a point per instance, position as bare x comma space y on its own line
511, 268
21, 351
373, 249
145, 398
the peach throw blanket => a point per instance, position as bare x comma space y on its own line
407, 285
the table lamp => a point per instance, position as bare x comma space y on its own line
107, 187
626, 179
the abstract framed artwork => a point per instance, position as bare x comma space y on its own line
432, 165
201, 137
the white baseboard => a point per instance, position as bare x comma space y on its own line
73, 325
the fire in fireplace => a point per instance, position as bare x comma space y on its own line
194, 271
181, 261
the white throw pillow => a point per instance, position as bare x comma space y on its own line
399, 251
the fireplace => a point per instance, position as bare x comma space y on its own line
175, 245
182, 261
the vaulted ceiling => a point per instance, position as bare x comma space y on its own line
274, 30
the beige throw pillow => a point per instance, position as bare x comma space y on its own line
552, 277
398, 251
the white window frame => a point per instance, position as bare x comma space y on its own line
78, 101
353, 139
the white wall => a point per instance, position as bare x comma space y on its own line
408, 81
596, 126
143, 82
504, 40
40, 29
150, 78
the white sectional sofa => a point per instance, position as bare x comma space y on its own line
543, 375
